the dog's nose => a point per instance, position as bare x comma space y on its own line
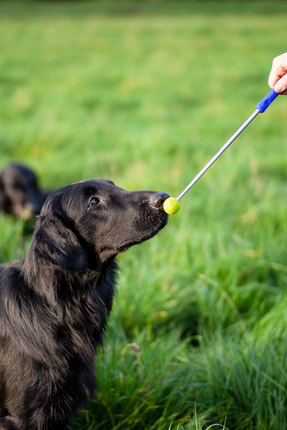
157, 199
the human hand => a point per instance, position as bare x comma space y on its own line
278, 74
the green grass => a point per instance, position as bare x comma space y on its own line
144, 94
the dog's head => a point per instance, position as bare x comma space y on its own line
88, 223
19, 191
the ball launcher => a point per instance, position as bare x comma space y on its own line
172, 204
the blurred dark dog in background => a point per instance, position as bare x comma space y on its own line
20, 194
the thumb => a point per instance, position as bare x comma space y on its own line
281, 85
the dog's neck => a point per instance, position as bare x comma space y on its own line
80, 300
45, 278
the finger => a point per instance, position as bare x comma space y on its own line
279, 69
281, 85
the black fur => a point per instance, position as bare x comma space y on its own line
19, 192
54, 304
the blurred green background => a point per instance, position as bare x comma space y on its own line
144, 93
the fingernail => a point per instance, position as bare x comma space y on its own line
278, 88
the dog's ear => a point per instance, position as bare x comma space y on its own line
55, 245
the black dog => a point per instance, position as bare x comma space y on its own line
54, 304
19, 192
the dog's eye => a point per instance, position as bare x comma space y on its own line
94, 201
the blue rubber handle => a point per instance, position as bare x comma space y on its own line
263, 105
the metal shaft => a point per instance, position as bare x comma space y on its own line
218, 154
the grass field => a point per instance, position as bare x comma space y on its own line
144, 94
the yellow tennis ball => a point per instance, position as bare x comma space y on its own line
171, 205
